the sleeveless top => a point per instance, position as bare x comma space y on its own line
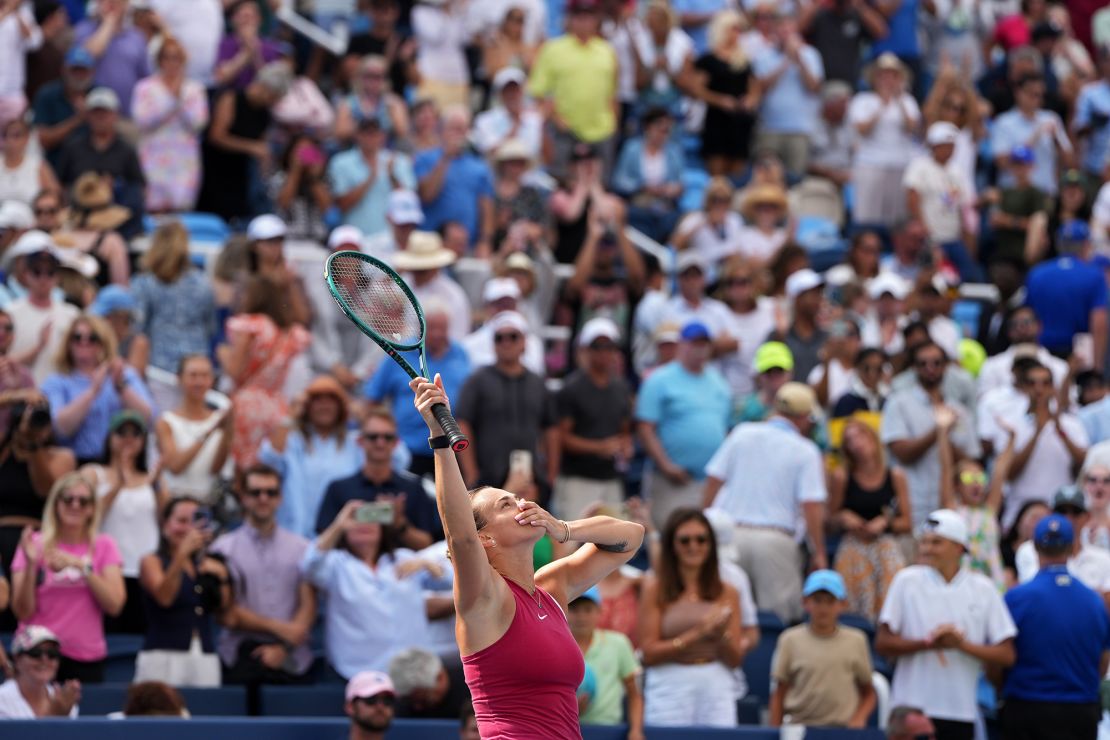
18, 497
866, 503
132, 521
523, 686
680, 616
172, 628
569, 235
22, 181
196, 480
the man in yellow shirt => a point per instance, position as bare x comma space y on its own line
575, 75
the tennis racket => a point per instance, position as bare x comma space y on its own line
384, 308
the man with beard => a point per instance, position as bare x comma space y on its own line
369, 704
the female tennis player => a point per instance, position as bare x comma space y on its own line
519, 658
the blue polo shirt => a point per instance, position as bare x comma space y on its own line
1063, 293
1093, 109
690, 413
468, 179
420, 508
1063, 630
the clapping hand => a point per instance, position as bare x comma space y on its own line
944, 417
65, 697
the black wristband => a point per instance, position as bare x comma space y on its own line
439, 443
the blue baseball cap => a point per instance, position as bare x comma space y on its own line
1074, 231
825, 580
79, 56
1053, 531
693, 331
593, 593
112, 298
1022, 155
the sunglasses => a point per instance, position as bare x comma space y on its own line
378, 699
970, 478
80, 502
379, 437
128, 430
1098, 481
47, 211
267, 492
501, 338
38, 653
82, 338
701, 539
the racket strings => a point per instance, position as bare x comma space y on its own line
376, 300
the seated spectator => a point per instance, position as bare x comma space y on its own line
516, 118
908, 723
374, 589
14, 377
371, 98
427, 133
170, 111
833, 377
363, 177
369, 703
117, 306
129, 499
690, 630
415, 523
501, 297
242, 54
1023, 329
822, 669
1089, 563
316, 448
59, 106
752, 319
773, 366
713, 233
274, 607
933, 306
428, 686
32, 690
154, 699
92, 384
194, 440
423, 262
119, 48
611, 658
299, 189
869, 502
691, 303
183, 588
867, 388
96, 225
649, 175
514, 201
67, 577
23, 171
765, 212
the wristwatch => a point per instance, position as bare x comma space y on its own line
439, 443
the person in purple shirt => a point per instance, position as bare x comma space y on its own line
118, 48
243, 52
268, 628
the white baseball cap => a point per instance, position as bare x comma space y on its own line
947, 524
344, 236
16, 214
801, 281
507, 76
266, 226
34, 242
499, 288
103, 98
599, 327
942, 132
404, 208
888, 282
508, 320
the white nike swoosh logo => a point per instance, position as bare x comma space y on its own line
543, 616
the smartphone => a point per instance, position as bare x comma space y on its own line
376, 512
202, 520
1083, 347
520, 463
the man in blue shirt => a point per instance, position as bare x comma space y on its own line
1069, 295
1092, 120
455, 185
1063, 646
59, 106
363, 177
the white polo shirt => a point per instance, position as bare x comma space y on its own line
919, 601
1091, 566
14, 706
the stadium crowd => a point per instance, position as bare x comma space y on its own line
815, 290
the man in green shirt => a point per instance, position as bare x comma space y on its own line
610, 656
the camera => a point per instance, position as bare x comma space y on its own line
40, 415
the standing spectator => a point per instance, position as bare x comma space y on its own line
19, 36
1089, 563
611, 658
242, 54
514, 42
507, 407
804, 336
790, 74
59, 106
456, 185
941, 610
118, 47
198, 26
955, 101
774, 366
316, 449
184, 587
909, 428
363, 177
690, 303
274, 607
31, 690
67, 577
23, 171
768, 477
371, 98
831, 148
886, 120
170, 110
1092, 120
822, 668
595, 425
516, 118
752, 319
387, 38
1031, 124
1062, 646
870, 503
1020, 216
575, 75
439, 30
649, 175
682, 417
664, 60
839, 31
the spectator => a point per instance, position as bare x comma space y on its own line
908, 723
515, 119
580, 199
1032, 125
371, 98
869, 502
318, 447
765, 209
519, 208
910, 249
415, 523
649, 175
712, 233
1092, 120
426, 126
932, 300
768, 507
45, 64
502, 296
31, 691
774, 366
940, 606
1088, 563
129, 499
696, 18
198, 27
423, 261
427, 687
790, 74
690, 303
117, 46
910, 430
1020, 216
804, 336
609, 655
116, 306
954, 101
274, 607
887, 121
1069, 295
404, 215
441, 66
363, 177
830, 157
97, 226
1062, 645
374, 590
390, 383
154, 699
20, 36
664, 56
506, 406
67, 577
92, 384
369, 700
23, 171
575, 75
59, 106
243, 54
300, 189
170, 110
839, 32
385, 37
184, 587
515, 39
822, 669
833, 377
752, 319
690, 629
867, 388
263, 342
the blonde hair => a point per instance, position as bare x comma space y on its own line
718, 187
168, 256
99, 327
170, 42
737, 58
50, 510
869, 431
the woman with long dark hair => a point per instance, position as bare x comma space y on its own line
690, 630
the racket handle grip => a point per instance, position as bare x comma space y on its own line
450, 427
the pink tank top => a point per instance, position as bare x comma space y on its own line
523, 686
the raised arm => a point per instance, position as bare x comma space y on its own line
610, 543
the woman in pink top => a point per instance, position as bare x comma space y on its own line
67, 577
519, 658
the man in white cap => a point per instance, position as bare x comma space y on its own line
690, 303
404, 215
805, 338
502, 295
422, 262
370, 699
267, 235
363, 177
32, 692
882, 326
595, 424
515, 117
936, 195
943, 622
16, 217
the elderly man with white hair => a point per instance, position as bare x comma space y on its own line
428, 686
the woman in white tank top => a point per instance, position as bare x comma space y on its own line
23, 172
193, 439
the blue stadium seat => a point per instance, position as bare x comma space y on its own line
202, 227
757, 666
694, 182
302, 701
119, 666
225, 701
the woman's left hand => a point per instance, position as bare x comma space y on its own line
533, 515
